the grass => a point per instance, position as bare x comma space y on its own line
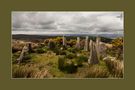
93, 71
40, 66
115, 67
56, 73
45, 58
46, 66
45, 62
97, 71
23, 71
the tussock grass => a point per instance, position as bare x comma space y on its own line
30, 71
116, 68
93, 71
41, 66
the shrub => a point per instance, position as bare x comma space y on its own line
41, 50
118, 42
66, 65
61, 62
15, 56
62, 52
55, 72
58, 51
27, 56
51, 45
117, 48
71, 43
70, 67
80, 59
83, 58
79, 62
70, 55
59, 40
72, 49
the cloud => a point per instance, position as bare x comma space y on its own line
74, 22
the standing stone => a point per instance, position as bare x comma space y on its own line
93, 58
78, 43
103, 50
64, 41
86, 43
90, 45
24, 50
98, 40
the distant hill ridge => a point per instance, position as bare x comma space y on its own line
43, 35
104, 37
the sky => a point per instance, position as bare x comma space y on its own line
67, 22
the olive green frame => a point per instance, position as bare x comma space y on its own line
7, 6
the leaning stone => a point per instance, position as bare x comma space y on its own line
24, 50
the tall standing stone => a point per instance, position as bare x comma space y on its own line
86, 43
64, 40
98, 48
93, 58
78, 43
103, 50
90, 44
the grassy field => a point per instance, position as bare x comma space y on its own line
49, 58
